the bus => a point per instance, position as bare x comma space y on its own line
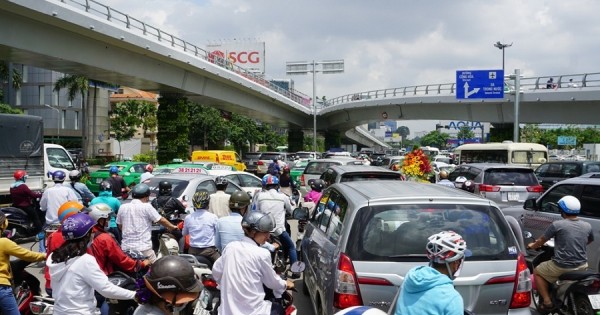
507, 152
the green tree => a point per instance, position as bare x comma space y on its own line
173, 128
7, 76
243, 132
435, 139
403, 131
207, 128
127, 117
531, 133
76, 84
465, 132
7, 109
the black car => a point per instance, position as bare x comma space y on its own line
553, 172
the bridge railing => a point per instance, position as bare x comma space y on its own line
141, 28
573, 81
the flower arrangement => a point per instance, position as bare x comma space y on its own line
416, 166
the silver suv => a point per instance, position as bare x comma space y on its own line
537, 214
366, 235
350, 173
315, 168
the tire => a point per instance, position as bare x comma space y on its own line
583, 304
535, 298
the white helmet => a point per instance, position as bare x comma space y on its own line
446, 247
569, 205
363, 310
99, 211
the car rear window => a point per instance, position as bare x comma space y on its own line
317, 168
399, 232
252, 156
178, 186
269, 156
510, 177
364, 176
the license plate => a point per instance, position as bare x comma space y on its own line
594, 300
203, 299
99, 180
513, 196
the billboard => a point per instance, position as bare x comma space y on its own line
248, 55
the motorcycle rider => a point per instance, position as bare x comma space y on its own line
277, 204
571, 237
119, 187
105, 196
84, 193
76, 274
51, 200
55, 240
444, 180
22, 198
135, 222
229, 228
147, 173
8, 303
106, 250
429, 290
316, 186
286, 184
244, 268
168, 287
219, 201
166, 204
202, 227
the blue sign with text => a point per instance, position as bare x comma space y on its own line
566, 140
472, 84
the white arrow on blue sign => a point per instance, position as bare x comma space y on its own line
472, 84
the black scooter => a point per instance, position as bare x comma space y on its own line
19, 224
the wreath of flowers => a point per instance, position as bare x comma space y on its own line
416, 166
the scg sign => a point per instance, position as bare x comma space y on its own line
242, 57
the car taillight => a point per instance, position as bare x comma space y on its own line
537, 189
488, 188
302, 180
521, 296
209, 283
346, 292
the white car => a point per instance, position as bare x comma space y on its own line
247, 181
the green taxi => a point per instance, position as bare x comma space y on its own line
297, 169
130, 171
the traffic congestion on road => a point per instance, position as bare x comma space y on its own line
310, 235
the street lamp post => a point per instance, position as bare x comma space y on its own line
502, 47
327, 67
57, 121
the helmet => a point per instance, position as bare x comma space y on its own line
569, 205
317, 184
58, 176
100, 211
221, 181
201, 199
114, 169
77, 226
140, 191
239, 199
445, 247
362, 310
149, 168
75, 175
444, 175
165, 187
286, 169
20, 175
270, 180
68, 209
105, 186
173, 274
262, 222
3, 221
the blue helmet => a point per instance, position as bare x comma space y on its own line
569, 205
270, 180
113, 169
58, 176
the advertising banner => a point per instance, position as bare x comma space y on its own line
248, 55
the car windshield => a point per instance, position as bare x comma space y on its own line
304, 155
399, 232
178, 186
317, 168
510, 177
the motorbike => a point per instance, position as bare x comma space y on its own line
26, 285
125, 281
210, 296
19, 223
575, 292
302, 214
45, 306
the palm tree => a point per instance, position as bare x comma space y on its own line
15, 78
76, 84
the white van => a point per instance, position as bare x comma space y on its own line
56, 158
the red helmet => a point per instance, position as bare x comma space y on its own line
19, 174
149, 168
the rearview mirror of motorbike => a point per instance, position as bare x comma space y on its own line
300, 213
298, 267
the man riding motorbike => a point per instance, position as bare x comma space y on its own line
22, 198
166, 204
105, 196
202, 227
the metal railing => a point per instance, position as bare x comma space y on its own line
579, 81
141, 28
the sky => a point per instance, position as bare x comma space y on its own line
387, 44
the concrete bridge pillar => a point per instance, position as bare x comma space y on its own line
295, 140
172, 136
333, 139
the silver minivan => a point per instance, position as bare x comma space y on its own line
365, 237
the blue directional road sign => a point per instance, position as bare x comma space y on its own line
472, 84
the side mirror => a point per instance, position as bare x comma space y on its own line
300, 213
530, 204
297, 267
